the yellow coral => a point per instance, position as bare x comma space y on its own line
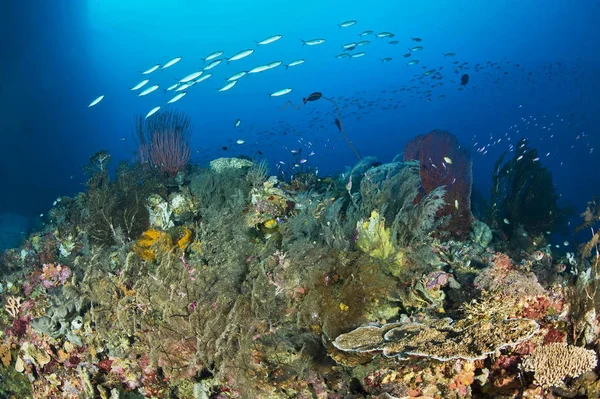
374, 238
186, 239
271, 223
145, 246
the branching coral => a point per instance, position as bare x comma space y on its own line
552, 363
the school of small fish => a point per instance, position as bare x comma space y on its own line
482, 145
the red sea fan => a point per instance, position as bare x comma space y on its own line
444, 162
164, 141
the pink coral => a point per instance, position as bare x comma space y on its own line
54, 275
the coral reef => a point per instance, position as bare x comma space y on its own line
225, 282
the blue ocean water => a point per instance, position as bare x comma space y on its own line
533, 68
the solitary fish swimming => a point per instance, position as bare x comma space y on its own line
171, 63
312, 42
237, 123
281, 92
148, 90
96, 101
269, 40
464, 79
240, 55
347, 24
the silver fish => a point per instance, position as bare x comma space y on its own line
269, 40
281, 92
191, 77
203, 78
274, 64
214, 55
213, 64
173, 86
312, 42
240, 55
258, 69
237, 76
152, 111
347, 24
154, 68
294, 63
185, 86
228, 86
177, 97
96, 101
139, 85
148, 90
171, 63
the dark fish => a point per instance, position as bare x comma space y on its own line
464, 79
338, 124
416, 39
313, 97
224, 148
407, 55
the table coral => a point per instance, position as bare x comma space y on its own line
440, 340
